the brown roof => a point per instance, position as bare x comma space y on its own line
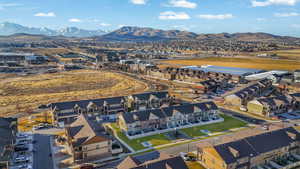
128, 163
83, 132
148, 158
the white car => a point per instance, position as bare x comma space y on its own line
21, 159
24, 166
22, 135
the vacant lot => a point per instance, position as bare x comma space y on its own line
23, 94
268, 64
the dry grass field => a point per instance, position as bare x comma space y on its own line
24, 94
293, 54
267, 64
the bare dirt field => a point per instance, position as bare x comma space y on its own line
24, 94
267, 64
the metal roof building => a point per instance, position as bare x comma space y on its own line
227, 70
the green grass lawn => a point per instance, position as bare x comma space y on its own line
229, 123
155, 140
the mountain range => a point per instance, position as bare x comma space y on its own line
7, 28
131, 33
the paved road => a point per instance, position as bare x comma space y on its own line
41, 156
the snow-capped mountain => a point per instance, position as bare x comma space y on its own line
7, 28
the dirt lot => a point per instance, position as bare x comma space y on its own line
267, 64
24, 94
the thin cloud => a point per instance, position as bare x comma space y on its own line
170, 15
75, 20
181, 4
261, 19
219, 17
49, 14
256, 3
138, 2
295, 26
287, 14
7, 5
105, 24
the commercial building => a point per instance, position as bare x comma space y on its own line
275, 149
20, 59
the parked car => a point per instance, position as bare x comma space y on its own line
24, 166
22, 159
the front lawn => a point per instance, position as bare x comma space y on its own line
229, 123
155, 140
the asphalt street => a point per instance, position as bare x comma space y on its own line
42, 157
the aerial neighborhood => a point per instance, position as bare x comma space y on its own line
80, 89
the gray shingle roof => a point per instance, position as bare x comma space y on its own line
144, 115
258, 144
85, 103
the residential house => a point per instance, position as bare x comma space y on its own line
206, 86
268, 150
148, 100
242, 97
8, 129
296, 97
65, 113
271, 106
144, 121
153, 160
87, 140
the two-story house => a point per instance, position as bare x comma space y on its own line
133, 123
265, 150
87, 140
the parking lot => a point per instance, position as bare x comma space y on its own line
32, 151
23, 152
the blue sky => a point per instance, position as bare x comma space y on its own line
202, 16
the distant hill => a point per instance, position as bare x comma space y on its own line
150, 34
7, 28
247, 37
138, 33
133, 33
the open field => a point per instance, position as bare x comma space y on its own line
23, 94
293, 54
268, 64
155, 140
45, 51
229, 123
